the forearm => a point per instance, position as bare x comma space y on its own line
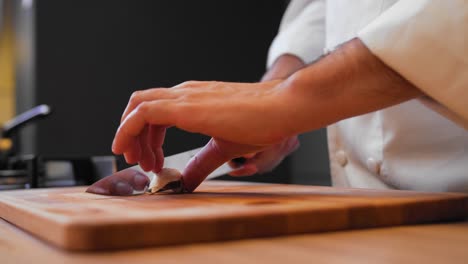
350, 81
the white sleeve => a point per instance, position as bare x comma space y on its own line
301, 33
427, 43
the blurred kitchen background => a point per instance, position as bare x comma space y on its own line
84, 58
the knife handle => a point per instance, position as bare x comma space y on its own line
239, 161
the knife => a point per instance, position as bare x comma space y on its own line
131, 181
179, 162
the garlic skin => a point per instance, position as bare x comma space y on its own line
165, 176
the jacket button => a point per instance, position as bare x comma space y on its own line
341, 158
373, 165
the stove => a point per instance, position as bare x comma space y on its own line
30, 171
35, 171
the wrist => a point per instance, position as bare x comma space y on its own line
350, 81
283, 67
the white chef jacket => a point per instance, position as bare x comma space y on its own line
420, 144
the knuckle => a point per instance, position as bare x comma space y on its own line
143, 108
135, 98
189, 84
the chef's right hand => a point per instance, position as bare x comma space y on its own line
265, 160
271, 157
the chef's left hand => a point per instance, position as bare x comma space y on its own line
242, 118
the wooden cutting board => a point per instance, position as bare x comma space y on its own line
75, 220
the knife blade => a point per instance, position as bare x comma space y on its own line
179, 162
135, 181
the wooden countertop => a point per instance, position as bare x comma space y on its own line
435, 243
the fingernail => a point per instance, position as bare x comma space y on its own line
113, 145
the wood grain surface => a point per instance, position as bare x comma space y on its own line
72, 219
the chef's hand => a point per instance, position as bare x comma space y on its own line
269, 158
242, 118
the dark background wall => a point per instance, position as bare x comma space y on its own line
91, 55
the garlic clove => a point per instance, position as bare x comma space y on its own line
162, 178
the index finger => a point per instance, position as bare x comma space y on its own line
147, 113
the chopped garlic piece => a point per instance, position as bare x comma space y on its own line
165, 176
